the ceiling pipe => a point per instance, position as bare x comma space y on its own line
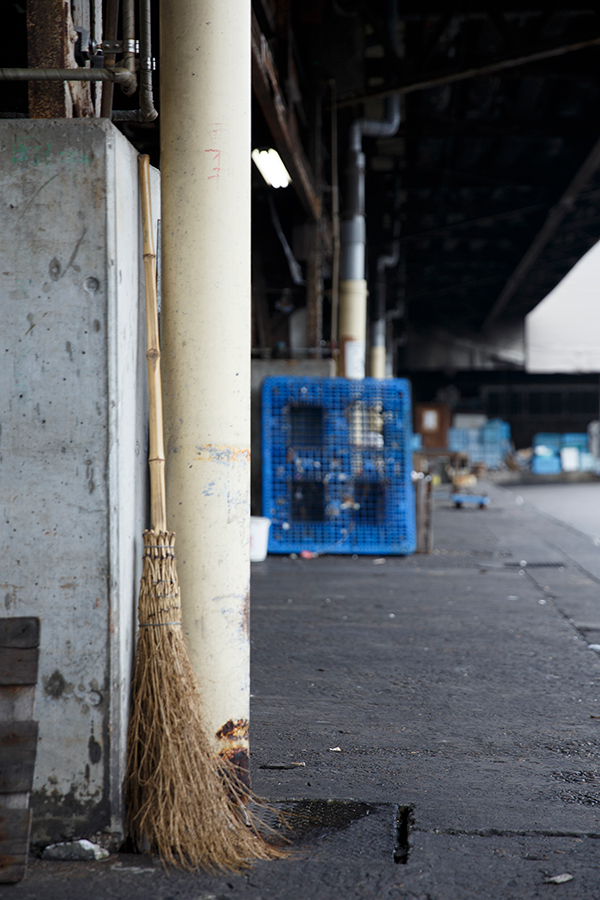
377, 355
124, 75
147, 110
353, 286
118, 74
128, 61
111, 25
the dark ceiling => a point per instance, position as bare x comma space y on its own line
479, 165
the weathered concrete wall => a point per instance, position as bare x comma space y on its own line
73, 448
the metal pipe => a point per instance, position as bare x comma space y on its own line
117, 74
129, 45
110, 34
353, 287
335, 231
378, 326
376, 127
147, 109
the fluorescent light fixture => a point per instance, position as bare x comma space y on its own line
271, 167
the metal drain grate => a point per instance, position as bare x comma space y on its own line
306, 823
404, 820
535, 565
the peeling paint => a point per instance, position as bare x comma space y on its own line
235, 608
245, 616
232, 740
223, 454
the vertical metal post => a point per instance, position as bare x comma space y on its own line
111, 26
206, 322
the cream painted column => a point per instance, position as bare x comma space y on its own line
377, 361
352, 329
205, 167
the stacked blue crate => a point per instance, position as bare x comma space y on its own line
546, 453
337, 465
576, 439
487, 445
546, 465
550, 440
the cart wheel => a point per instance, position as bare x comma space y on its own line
458, 505
482, 506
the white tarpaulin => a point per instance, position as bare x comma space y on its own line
562, 334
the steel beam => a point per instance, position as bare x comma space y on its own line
553, 219
474, 72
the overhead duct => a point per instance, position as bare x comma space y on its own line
353, 286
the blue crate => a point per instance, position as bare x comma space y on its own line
546, 465
337, 465
576, 439
496, 431
462, 438
491, 456
547, 439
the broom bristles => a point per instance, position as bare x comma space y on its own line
183, 801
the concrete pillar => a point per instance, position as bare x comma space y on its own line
205, 168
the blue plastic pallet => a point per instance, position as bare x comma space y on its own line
337, 465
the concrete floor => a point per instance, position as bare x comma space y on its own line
461, 686
576, 504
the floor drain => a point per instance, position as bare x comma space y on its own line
404, 818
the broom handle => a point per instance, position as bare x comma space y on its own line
156, 456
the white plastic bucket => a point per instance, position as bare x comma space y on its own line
259, 538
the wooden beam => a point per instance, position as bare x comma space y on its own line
20, 631
553, 219
475, 72
15, 830
18, 744
282, 122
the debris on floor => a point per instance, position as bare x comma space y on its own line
75, 850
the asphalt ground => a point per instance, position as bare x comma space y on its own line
448, 704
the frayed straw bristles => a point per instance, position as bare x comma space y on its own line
184, 801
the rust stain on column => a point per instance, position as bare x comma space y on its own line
233, 745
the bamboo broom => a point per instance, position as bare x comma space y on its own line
183, 800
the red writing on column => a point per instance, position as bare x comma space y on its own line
217, 167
